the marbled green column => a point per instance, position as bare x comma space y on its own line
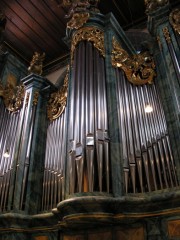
28, 168
168, 79
112, 29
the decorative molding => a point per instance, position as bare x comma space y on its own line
174, 19
78, 20
57, 102
153, 5
167, 35
91, 34
139, 69
36, 64
12, 94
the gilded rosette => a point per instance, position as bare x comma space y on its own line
139, 69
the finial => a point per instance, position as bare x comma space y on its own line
36, 64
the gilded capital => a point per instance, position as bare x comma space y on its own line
153, 5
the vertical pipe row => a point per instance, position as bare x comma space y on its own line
146, 148
53, 186
8, 129
90, 151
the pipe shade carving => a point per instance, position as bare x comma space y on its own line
12, 94
90, 34
57, 101
139, 69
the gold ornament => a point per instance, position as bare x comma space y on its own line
36, 63
78, 20
57, 102
139, 69
91, 34
12, 94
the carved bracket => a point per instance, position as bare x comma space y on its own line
139, 69
57, 102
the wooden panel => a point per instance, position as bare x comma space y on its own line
130, 234
100, 236
174, 228
41, 238
77, 237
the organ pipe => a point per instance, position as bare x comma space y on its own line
146, 146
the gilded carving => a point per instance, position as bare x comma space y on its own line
78, 20
92, 34
36, 96
153, 5
166, 34
12, 94
57, 101
174, 19
36, 64
139, 69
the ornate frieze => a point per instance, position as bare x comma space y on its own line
12, 94
91, 34
174, 19
57, 101
139, 69
153, 5
36, 64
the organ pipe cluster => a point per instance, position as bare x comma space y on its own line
147, 157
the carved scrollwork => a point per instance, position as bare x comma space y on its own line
153, 5
36, 64
174, 19
91, 34
12, 95
57, 102
139, 69
78, 20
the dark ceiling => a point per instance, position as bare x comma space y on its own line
40, 25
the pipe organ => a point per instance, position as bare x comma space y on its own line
105, 142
